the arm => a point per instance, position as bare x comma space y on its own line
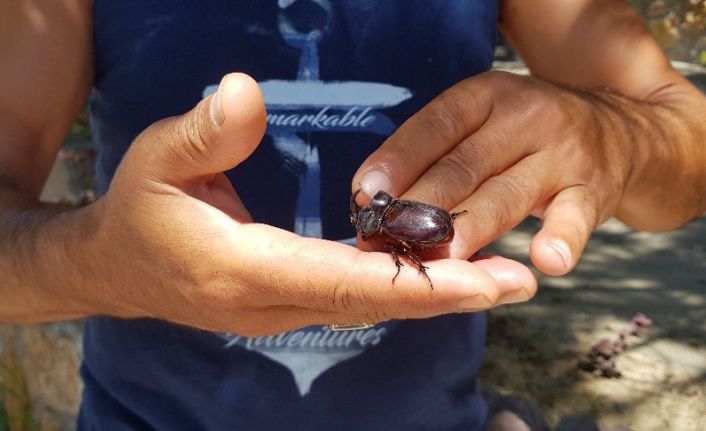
604, 128
598, 44
45, 75
171, 239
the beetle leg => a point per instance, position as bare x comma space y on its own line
396, 258
404, 249
460, 213
407, 251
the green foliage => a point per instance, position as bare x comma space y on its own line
4, 423
14, 396
79, 137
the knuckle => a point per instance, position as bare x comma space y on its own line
488, 77
455, 176
186, 137
510, 200
496, 82
194, 139
586, 215
475, 158
494, 76
444, 116
465, 165
526, 187
500, 213
514, 188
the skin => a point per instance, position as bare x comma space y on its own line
603, 128
137, 251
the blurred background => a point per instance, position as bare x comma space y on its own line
678, 25
534, 349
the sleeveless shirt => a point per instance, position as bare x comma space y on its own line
338, 77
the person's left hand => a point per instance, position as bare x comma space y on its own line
502, 147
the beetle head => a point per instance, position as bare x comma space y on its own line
354, 208
367, 221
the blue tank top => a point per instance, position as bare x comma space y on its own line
338, 78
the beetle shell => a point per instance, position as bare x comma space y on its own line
419, 225
405, 226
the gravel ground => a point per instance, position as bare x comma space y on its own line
534, 348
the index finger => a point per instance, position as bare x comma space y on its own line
329, 276
425, 137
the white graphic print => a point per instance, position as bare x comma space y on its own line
308, 104
309, 352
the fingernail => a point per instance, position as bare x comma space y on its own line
475, 302
216, 110
520, 295
562, 249
374, 181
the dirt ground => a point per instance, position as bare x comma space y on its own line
534, 348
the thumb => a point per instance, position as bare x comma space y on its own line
218, 134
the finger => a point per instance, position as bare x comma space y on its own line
567, 224
425, 137
220, 132
485, 153
501, 203
515, 281
329, 276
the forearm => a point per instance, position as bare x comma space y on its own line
648, 110
587, 43
666, 185
41, 260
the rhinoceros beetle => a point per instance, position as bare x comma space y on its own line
405, 225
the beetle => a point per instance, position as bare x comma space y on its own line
405, 225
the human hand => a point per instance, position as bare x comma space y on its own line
502, 147
173, 241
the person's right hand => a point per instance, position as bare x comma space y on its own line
173, 241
